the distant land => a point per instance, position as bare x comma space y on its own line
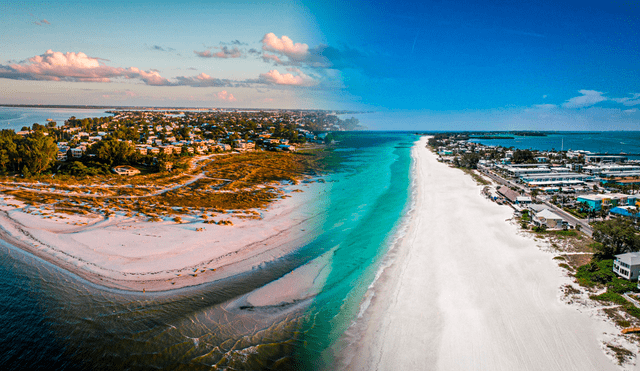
150, 108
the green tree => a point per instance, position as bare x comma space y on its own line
522, 156
469, 160
114, 152
8, 149
616, 236
38, 152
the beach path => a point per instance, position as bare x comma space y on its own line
468, 292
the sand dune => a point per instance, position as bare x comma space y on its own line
467, 292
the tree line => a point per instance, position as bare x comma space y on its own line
36, 153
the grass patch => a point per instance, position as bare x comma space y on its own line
480, 180
568, 233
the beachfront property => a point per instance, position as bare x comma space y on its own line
509, 194
541, 215
627, 265
550, 220
598, 201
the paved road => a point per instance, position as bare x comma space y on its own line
584, 225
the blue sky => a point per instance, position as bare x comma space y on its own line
543, 65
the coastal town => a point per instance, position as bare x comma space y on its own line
573, 187
585, 204
166, 150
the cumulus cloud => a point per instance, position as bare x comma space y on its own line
284, 52
588, 98
78, 67
224, 95
57, 66
225, 52
277, 78
285, 46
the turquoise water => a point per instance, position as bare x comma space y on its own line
53, 320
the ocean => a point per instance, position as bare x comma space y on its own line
612, 142
17, 117
53, 320
50, 319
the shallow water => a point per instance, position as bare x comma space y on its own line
53, 320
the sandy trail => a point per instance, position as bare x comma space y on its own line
467, 292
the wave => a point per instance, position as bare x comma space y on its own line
352, 337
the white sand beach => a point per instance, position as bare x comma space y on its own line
467, 291
130, 253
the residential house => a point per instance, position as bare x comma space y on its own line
627, 265
125, 170
77, 152
549, 219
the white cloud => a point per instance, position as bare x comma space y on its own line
588, 98
57, 66
285, 46
224, 95
634, 100
277, 78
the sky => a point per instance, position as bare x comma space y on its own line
424, 65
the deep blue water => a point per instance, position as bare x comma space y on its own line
50, 319
612, 142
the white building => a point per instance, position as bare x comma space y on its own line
627, 265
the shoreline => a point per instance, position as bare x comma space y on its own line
120, 252
440, 303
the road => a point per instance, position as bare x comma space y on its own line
584, 225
